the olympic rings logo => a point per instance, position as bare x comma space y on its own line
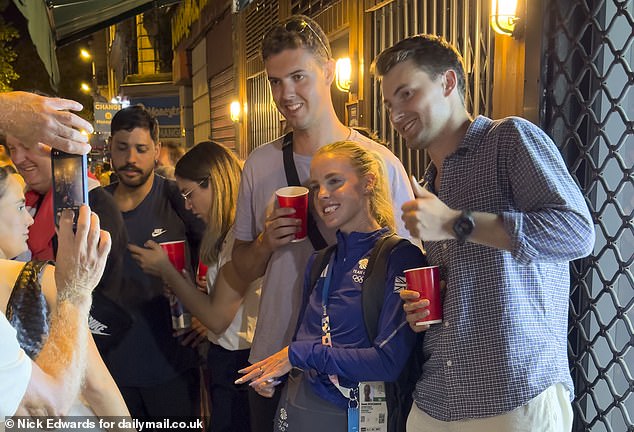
357, 278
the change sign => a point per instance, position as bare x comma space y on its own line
103, 116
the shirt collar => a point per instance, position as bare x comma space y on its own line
358, 240
476, 133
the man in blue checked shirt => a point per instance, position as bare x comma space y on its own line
501, 216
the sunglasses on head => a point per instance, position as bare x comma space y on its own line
298, 26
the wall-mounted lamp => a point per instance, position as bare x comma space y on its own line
85, 87
236, 111
504, 16
85, 54
343, 74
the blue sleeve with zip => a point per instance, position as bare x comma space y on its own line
353, 357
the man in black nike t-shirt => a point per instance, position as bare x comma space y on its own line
157, 374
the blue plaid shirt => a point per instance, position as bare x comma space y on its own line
503, 339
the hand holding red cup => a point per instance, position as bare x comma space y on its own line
181, 319
426, 281
175, 251
295, 197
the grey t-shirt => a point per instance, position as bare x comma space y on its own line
281, 296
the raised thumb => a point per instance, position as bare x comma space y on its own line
419, 191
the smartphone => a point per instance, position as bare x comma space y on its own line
70, 182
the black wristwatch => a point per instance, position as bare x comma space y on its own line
463, 226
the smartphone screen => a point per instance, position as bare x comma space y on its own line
70, 182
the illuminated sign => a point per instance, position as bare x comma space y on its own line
103, 116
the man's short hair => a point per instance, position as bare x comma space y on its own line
132, 117
298, 31
431, 53
174, 151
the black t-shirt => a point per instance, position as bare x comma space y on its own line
148, 354
110, 219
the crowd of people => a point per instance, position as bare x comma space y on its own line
274, 348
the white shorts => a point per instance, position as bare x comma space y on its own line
550, 411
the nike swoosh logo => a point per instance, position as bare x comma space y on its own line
97, 327
158, 231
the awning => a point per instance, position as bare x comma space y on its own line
75, 19
55, 23
39, 27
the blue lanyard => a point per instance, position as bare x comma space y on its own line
326, 339
325, 290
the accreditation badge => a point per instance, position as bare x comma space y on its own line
372, 406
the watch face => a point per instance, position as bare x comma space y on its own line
463, 226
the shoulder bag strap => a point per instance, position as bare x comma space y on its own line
373, 293
319, 264
292, 178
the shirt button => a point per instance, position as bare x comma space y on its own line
446, 324
444, 246
449, 363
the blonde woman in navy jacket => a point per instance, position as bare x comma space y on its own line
350, 194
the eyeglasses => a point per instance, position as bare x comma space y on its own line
187, 194
300, 26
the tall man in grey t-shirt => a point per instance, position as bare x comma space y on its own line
300, 69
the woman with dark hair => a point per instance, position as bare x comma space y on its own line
208, 176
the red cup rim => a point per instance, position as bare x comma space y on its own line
298, 191
419, 268
172, 242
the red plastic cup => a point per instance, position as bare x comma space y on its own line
295, 197
176, 253
202, 270
426, 281
181, 318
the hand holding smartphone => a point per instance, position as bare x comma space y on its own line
70, 182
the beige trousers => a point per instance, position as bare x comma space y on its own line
550, 411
